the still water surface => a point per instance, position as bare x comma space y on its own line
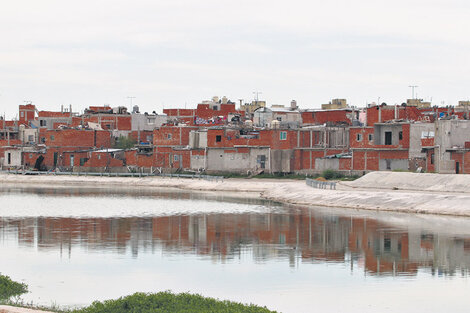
76, 245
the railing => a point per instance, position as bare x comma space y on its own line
192, 176
320, 184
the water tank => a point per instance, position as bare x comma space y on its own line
293, 105
275, 124
135, 109
224, 100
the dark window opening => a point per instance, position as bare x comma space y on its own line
218, 138
9, 158
82, 161
400, 136
432, 158
389, 164
388, 138
387, 244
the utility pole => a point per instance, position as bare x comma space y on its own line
413, 91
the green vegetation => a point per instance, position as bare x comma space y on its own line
10, 288
331, 174
169, 302
124, 143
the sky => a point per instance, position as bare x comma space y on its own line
170, 54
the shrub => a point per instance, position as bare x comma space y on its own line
10, 288
169, 302
124, 143
331, 174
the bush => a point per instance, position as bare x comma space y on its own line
124, 143
169, 302
331, 174
10, 288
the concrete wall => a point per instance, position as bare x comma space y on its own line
198, 161
416, 132
198, 139
147, 122
380, 130
395, 164
232, 161
282, 161
15, 157
326, 164
449, 133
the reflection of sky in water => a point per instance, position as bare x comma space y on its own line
292, 260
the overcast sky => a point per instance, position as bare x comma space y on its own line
172, 53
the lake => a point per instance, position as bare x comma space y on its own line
75, 245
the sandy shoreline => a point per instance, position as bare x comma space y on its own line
397, 192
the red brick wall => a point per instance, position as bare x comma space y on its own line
165, 158
179, 135
322, 117
140, 160
265, 138
364, 143
101, 159
345, 164
464, 161
75, 138
26, 113
143, 136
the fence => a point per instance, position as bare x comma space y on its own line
320, 184
192, 176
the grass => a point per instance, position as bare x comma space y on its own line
10, 288
169, 302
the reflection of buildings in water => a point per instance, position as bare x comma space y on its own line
303, 235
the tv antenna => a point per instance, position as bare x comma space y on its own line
131, 98
413, 91
257, 93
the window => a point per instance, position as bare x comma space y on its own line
43, 139
371, 137
388, 138
52, 137
279, 119
387, 244
359, 137
150, 121
168, 136
400, 136
22, 114
283, 135
31, 138
218, 138
9, 158
389, 164
176, 158
72, 158
432, 158
42, 123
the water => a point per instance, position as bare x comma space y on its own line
76, 245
